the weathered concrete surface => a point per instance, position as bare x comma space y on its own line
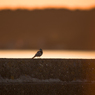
47, 76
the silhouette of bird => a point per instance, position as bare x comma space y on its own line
38, 54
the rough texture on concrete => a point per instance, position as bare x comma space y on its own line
47, 76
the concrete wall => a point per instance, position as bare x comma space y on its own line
47, 76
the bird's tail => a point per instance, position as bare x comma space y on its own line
33, 57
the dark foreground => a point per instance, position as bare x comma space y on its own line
47, 77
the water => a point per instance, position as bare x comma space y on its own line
48, 54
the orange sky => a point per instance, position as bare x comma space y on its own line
36, 4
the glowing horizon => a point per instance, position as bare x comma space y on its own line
67, 54
47, 4
47, 7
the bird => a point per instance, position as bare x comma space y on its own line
38, 54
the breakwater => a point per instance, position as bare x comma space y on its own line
47, 76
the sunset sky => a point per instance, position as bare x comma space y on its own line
40, 4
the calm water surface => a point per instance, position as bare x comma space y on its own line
47, 54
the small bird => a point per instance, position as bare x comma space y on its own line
38, 54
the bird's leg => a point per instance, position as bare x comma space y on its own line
39, 57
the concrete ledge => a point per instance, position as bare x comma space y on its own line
47, 76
